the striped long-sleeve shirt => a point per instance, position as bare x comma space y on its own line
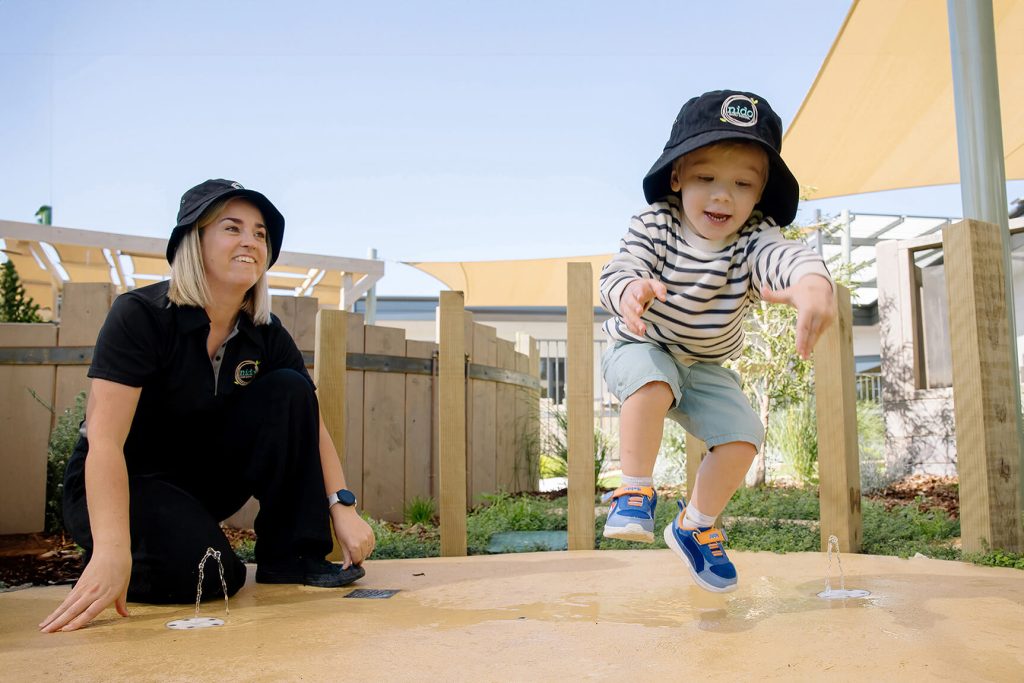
710, 284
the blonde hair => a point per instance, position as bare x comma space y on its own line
188, 285
727, 146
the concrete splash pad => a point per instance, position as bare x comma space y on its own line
553, 616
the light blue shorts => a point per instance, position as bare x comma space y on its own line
710, 403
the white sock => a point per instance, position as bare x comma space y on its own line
694, 518
637, 482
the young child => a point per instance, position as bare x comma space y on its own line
706, 247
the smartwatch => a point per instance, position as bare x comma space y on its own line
343, 496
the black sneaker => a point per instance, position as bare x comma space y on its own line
309, 572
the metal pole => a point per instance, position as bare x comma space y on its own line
371, 296
979, 137
817, 234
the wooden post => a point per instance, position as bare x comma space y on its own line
838, 454
580, 405
25, 424
329, 377
984, 382
83, 310
354, 394
329, 374
452, 423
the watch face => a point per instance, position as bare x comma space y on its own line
346, 497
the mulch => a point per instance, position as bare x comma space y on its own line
926, 491
54, 559
38, 560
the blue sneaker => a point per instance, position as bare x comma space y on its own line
703, 553
631, 515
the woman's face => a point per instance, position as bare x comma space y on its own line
234, 247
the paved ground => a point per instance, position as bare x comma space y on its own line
547, 616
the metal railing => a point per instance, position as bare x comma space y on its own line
869, 387
552, 387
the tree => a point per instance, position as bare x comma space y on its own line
15, 307
773, 374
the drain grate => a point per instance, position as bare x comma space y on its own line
372, 593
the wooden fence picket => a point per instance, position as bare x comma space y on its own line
384, 425
504, 419
420, 435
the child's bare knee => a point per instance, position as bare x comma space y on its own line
736, 449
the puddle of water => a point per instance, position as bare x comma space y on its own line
194, 622
760, 599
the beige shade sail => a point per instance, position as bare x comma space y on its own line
880, 113
527, 282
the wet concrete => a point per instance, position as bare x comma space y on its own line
545, 616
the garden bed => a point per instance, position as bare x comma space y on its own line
919, 514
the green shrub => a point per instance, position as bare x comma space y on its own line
906, 530
550, 467
793, 431
556, 447
874, 473
15, 305
502, 512
774, 502
246, 550
420, 511
62, 444
996, 558
670, 467
410, 542
772, 535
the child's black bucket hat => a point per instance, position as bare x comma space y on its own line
201, 197
729, 115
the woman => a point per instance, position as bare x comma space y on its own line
199, 399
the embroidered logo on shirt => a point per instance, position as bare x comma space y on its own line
739, 110
246, 372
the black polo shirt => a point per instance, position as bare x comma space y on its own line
148, 342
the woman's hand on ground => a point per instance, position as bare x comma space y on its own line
635, 299
103, 583
814, 300
354, 535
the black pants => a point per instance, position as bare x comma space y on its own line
266, 445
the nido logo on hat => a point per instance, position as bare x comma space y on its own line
739, 110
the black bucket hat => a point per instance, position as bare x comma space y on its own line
201, 197
729, 115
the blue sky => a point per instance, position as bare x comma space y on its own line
444, 130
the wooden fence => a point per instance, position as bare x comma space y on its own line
388, 434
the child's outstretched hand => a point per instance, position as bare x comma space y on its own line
635, 298
815, 304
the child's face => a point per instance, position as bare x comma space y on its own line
719, 185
